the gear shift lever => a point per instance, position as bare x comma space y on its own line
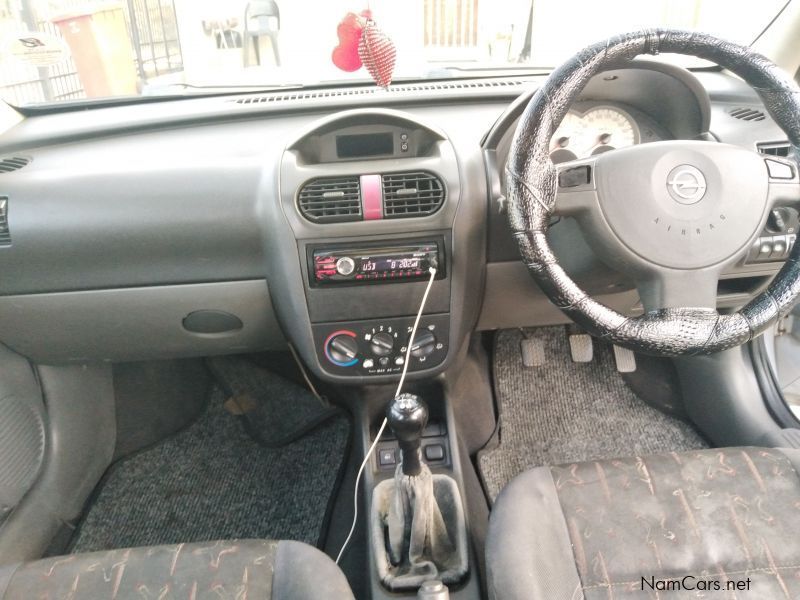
419, 514
408, 415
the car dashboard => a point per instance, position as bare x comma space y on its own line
240, 223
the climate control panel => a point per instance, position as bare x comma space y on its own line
379, 346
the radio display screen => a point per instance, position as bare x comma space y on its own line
362, 145
379, 265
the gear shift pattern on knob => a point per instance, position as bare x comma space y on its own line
407, 415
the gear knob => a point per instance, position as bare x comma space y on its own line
407, 415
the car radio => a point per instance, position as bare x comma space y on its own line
376, 264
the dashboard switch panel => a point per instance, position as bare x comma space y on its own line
379, 346
778, 238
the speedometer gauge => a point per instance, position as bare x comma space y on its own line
598, 130
568, 140
607, 128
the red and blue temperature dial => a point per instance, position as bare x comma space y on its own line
341, 348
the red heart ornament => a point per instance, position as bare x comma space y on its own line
345, 55
378, 53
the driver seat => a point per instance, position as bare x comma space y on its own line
610, 528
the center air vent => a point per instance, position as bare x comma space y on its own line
331, 200
747, 114
12, 163
411, 194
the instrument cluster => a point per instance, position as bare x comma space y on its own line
594, 131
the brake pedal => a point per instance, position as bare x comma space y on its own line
581, 347
625, 359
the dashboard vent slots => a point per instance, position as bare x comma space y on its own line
331, 199
775, 149
745, 113
12, 163
5, 232
374, 90
411, 194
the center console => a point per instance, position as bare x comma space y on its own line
373, 199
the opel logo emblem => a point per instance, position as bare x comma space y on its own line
686, 184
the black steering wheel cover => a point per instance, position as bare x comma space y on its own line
532, 185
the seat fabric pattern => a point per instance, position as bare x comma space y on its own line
223, 569
719, 515
722, 514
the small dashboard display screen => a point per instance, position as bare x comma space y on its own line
363, 145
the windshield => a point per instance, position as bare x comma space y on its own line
75, 50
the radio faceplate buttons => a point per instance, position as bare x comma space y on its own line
374, 264
345, 266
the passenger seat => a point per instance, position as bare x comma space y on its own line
253, 569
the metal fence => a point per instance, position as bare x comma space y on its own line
451, 23
152, 26
22, 84
154, 33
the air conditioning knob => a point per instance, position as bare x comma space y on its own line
381, 343
424, 344
342, 349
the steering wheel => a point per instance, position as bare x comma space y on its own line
672, 215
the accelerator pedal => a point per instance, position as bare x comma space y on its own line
625, 359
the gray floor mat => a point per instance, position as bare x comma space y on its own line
213, 481
275, 410
565, 412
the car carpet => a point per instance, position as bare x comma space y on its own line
564, 411
214, 481
274, 410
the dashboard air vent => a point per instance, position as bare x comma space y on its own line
331, 199
12, 163
411, 194
745, 113
5, 233
774, 149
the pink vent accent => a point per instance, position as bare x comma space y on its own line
372, 197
